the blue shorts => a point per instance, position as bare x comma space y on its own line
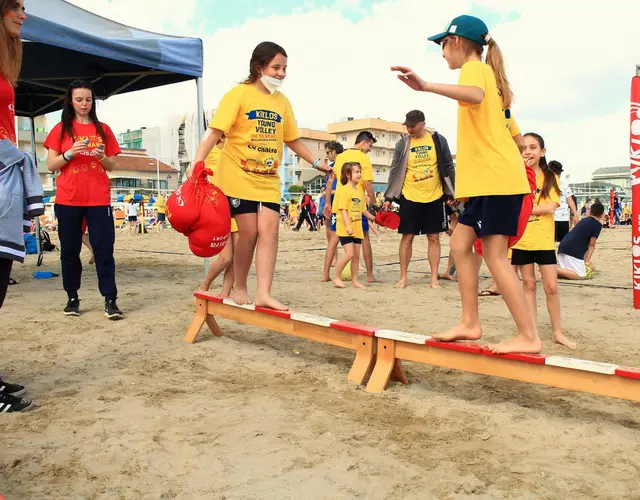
365, 223
489, 215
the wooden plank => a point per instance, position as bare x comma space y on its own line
249, 317
552, 376
385, 363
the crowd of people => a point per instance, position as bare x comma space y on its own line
501, 202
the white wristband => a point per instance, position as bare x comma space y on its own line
316, 163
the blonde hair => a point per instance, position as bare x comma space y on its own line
496, 62
10, 48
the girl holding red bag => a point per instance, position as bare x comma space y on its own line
257, 121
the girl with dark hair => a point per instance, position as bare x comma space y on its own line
257, 121
83, 150
13, 15
537, 245
490, 176
350, 207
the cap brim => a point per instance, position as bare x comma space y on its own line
407, 123
437, 38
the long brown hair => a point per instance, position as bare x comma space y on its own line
347, 171
496, 62
68, 113
10, 47
550, 179
262, 55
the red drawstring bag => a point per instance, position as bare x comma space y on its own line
525, 212
387, 218
201, 211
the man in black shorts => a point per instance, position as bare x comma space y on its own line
421, 179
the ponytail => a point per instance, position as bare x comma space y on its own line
495, 60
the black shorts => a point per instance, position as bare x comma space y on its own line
422, 218
162, 217
562, 228
526, 257
132, 218
239, 206
489, 215
345, 240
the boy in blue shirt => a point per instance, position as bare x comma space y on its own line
577, 247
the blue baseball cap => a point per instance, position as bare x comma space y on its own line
468, 27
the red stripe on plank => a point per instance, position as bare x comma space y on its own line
273, 312
628, 372
208, 296
456, 346
537, 359
356, 328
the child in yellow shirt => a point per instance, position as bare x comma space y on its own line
350, 206
490, 176
537, 245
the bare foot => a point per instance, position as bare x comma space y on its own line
222, 295
269, 302
92, 260
435, 284
204, 288
339, 283
372, 279
357, 284
518, 344
447, 276
401, 284
460, 332
325, 279
242, 297
559, 338
334, 263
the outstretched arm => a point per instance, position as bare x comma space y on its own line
298, 147
462, 93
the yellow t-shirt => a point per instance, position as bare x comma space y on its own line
488, 161
161, 204
256, 126
293, 211
512, 125
422, 182
540, 231
349, 199
213, 158
367, 171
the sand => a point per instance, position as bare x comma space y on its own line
128, 410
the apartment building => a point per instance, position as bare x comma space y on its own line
136, 172
386, 133
298, 171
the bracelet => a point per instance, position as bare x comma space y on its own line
316, 163
65, 158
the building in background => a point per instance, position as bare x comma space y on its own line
386, 133
296, 171
131, 139
620, 176
603, 180
24, 144
136, 172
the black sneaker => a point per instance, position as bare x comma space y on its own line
73, 308
11, 389
112, 311
10, 404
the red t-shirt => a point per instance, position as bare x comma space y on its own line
7, 110
83, 182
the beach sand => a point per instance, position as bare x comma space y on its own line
129, 410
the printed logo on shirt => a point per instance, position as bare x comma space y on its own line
422, 176
265, 126
265, 131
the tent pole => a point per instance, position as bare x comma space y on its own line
200, 135
35, 162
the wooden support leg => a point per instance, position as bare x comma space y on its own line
199, 319
397, 374
364, 359
384, 365
213, 325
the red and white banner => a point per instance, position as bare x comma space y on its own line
635, 186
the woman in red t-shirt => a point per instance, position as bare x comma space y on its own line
83, 150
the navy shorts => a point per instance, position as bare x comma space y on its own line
365, 223
496, 214
162, 217
239, 206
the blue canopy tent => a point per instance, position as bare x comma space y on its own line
63, 42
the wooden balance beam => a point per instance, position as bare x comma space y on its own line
358, 338
555, 371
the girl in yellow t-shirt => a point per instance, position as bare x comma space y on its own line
224, 262
350, 207
293, 213
258, 121
537, 245
490, 176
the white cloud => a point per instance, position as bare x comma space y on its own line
570, 67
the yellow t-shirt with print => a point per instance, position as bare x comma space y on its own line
212, 160
350, 199
161, 204
352, 155
422, 182
540, 231
256, 126
488, 161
